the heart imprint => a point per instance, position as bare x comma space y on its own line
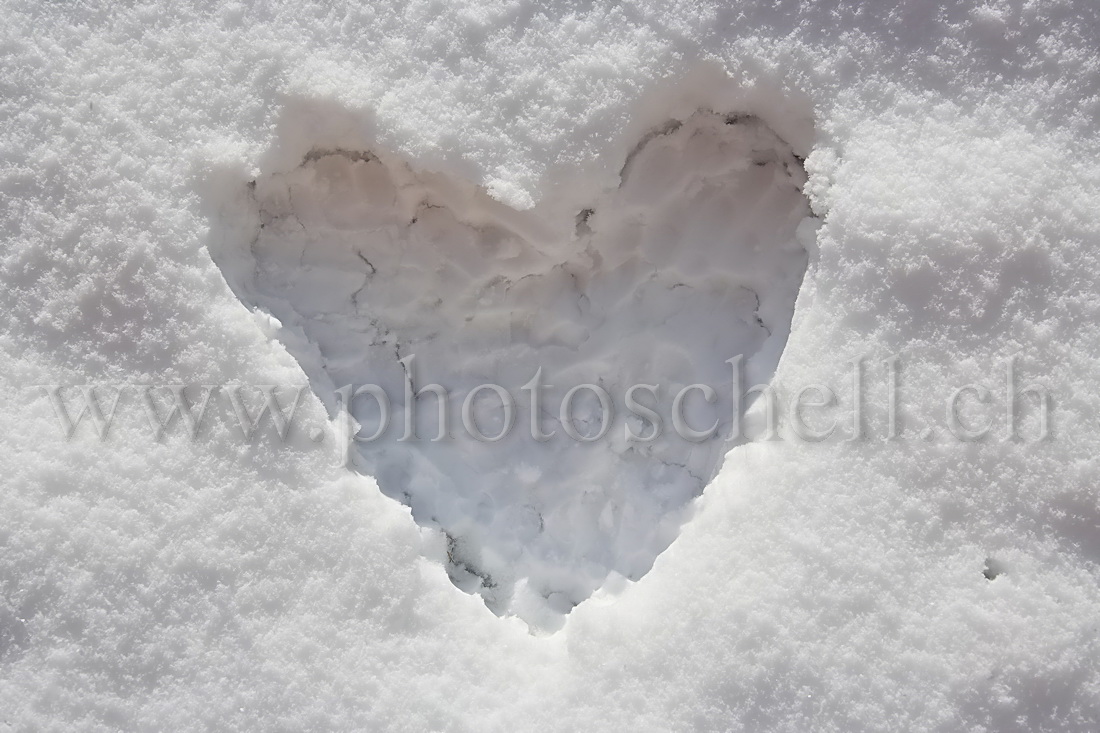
406, 279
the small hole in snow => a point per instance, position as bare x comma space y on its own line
993, 568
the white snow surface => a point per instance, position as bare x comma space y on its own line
842, 585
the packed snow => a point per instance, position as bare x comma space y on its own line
390, 276
917, 569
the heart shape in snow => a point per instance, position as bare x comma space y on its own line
395, 277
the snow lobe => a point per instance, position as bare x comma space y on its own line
381, 273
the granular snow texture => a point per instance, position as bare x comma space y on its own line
890, 577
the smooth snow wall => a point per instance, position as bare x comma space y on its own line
383, 273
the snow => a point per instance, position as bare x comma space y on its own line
950, 156
380, 271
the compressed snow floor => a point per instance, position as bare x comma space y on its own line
374, 268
